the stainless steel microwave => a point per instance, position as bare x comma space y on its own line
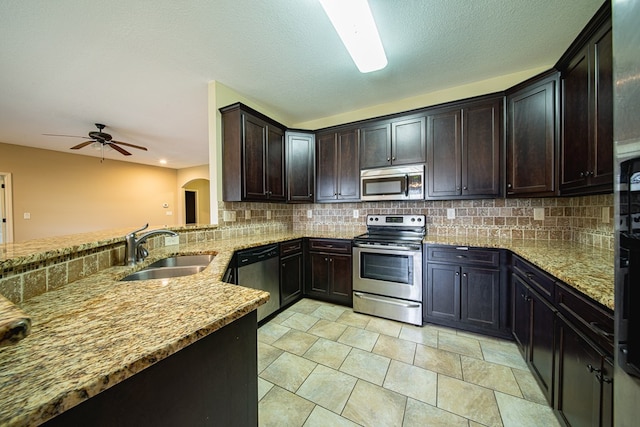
392, 183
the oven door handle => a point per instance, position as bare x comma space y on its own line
386, 301
381, 248
406, 185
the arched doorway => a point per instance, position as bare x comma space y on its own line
196, 202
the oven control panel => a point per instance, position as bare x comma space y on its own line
396, 220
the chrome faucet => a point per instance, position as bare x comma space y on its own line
134, 249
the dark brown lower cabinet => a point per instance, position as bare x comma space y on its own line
533, 323
291, 271
464, 289
330, 271
584, 379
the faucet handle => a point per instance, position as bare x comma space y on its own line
143, 228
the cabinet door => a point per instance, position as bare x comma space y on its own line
480, 297
254, 154
276, 189
348, 166
444, 154
408, 141
606, 413
443, 291
375, 146
326, 167
481, 130
300, 167
521, 315
579, 390
341, 278
291, 278
532, 139
542, 351
575, 122
319, 272
602, 146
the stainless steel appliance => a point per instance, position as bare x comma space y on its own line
626, 112
392, 183
259, 268
387, 268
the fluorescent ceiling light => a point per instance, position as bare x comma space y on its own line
354, 23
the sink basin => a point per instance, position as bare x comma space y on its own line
164, 272
183, 260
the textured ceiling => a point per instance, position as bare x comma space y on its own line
142, 66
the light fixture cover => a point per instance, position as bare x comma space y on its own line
354, 23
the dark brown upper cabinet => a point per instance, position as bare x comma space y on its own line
463, 149
532, 137
337, 166
301, 159
252, 156
390, 143
587, 109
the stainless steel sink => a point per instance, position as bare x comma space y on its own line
175, 266
164, 272
183, 260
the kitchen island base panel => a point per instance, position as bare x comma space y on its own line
212, 382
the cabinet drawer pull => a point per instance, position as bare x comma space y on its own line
590, 368
599, 330
530, 275
461, 256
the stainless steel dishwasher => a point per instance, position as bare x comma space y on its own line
259, 268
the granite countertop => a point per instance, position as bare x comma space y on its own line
587, 269
94, 333
91, 334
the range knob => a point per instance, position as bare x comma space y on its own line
413, 220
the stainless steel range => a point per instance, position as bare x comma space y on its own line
387, 268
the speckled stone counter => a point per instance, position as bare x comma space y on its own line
588, 269
93, 333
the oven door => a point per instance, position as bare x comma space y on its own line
388, 272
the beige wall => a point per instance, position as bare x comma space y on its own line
70, 193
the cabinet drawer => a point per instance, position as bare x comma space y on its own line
290, 247
534, 277
463, 255
591, 319
330, 245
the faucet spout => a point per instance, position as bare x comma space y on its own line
134, 250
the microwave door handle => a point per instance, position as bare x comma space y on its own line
406, 185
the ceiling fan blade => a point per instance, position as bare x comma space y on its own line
120, 149
83, 144
67, 136
129, 145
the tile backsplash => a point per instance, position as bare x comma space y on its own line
574, 219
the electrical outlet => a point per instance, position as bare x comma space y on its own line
605, 215
229, 216
538, 214
309, 213
26, 215
171, 240
356, 213
247, 214
268, 214
451, 213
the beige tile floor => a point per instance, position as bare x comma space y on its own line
324, 365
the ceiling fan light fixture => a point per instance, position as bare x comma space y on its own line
354, 23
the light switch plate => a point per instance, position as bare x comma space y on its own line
27, 215
171, 240
229, 216
309, 213
538, 214
268, 214
451, 213
247, 214
356, 213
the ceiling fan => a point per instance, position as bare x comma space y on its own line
102, 138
